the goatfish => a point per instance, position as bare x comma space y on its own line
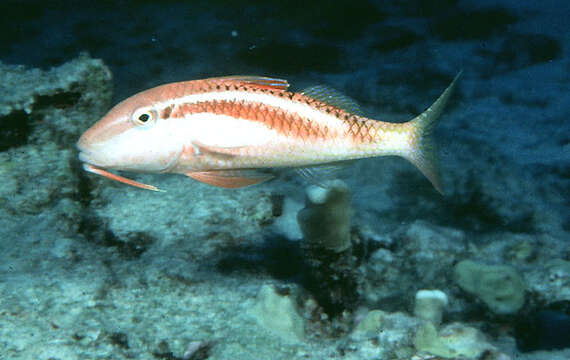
237, 131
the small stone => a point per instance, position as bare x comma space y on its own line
278, 313
372, 323
500, 287
453, 341
196, 350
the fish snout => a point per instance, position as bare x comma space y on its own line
89, 152
83, 145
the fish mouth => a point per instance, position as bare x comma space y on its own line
88, 157
89, 160
85, 158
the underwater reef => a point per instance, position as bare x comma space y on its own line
374, 265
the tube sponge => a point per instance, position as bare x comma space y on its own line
331, 273
430, 305
325, 220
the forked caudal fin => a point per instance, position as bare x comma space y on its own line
424, 152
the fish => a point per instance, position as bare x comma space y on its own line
236, 131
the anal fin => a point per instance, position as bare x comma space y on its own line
230, 179
321, 175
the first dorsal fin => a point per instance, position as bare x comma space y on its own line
261, 81
333, 97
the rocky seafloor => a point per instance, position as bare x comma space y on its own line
92, 269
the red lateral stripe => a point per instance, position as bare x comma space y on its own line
357, 128
276, 119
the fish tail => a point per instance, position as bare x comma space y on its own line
423, 152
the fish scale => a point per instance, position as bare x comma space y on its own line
229, 131
358, 126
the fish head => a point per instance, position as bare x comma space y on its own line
132, 136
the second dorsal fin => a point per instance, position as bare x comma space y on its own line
333, 97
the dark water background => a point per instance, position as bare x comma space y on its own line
505, 143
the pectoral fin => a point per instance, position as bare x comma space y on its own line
201, 148
231, 179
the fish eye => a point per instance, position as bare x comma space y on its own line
143, 117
